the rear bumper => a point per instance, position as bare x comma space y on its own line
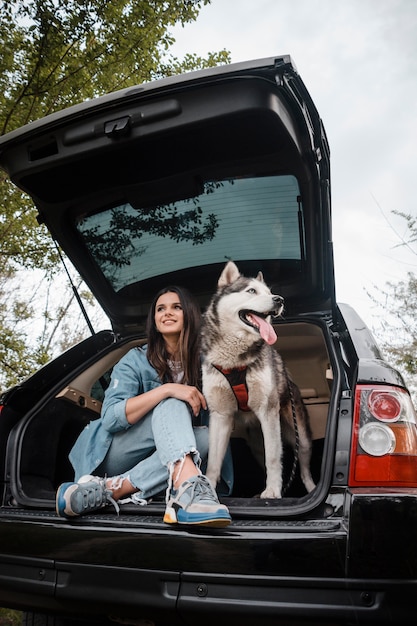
361, 568
273, 600
85, 590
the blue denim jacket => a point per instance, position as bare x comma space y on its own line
131, 376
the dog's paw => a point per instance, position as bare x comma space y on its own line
270, 492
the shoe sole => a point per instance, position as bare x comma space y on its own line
171, 517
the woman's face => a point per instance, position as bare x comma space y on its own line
169, 316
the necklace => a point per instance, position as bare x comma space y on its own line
176, 369
175, 366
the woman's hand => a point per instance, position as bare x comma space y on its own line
188, 394
138, 406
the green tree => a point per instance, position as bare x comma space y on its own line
56, 53
59, 52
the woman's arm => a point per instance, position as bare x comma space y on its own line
129, 397
138, 406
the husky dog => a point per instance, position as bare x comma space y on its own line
238, 357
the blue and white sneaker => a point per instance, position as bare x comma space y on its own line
88, 495
196, 502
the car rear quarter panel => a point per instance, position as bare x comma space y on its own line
383, 533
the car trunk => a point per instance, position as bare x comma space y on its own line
40, 442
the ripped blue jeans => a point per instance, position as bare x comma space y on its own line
146, 452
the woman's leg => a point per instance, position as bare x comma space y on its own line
146, 454
176, 441
190, 497
193, 499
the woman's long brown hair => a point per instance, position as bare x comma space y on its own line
189, 341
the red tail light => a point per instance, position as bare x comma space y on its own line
384, 441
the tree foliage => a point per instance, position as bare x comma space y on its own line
398, 334
56, 53
401, 342
59, 52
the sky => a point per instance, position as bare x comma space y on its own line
358, 59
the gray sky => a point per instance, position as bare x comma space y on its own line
358, 59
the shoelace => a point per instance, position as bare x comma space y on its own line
200, 488
107, 494
111, 500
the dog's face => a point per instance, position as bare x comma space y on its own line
247, 303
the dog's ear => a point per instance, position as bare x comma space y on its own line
228, 275
260, 277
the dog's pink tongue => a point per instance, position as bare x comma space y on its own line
267, 333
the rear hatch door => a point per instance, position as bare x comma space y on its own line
164, 182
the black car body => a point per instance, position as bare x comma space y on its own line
162, 184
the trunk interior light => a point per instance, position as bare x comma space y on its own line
384, 440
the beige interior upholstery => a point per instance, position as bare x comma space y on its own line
304, 351
300, 344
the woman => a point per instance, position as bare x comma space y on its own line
145, 439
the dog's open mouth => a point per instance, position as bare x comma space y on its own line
260, 323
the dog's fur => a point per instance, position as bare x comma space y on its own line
231, 338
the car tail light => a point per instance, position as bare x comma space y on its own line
384, 440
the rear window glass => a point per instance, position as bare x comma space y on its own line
240, 219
